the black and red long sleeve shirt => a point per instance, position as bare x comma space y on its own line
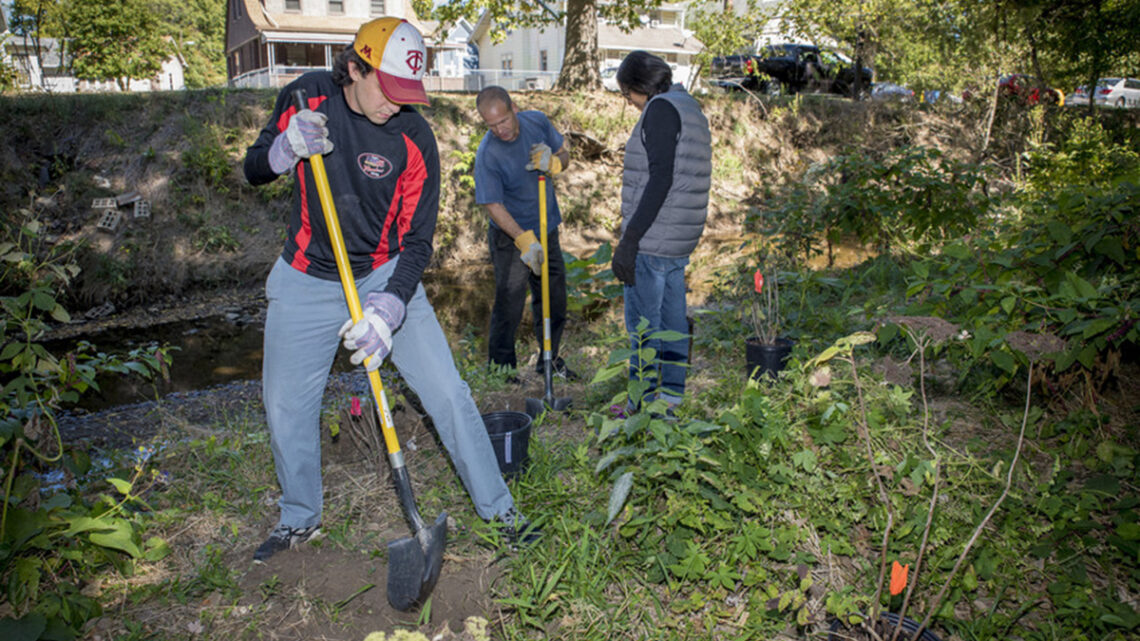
384, 181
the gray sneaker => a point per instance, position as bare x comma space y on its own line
284, 537
517, 530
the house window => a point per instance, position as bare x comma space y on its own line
507, 63
237, 7
378, 7
297, 54
542, 60
336, 7
670, 57
292, 5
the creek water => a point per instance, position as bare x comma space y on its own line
227, 347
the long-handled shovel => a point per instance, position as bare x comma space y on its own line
535, 406
414, 562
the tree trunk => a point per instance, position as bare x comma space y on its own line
1096, 64
580, 65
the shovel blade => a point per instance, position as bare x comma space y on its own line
536, 406
414, 564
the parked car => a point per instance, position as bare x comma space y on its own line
891, 91
1121, 93
788, 68
609, 79
1028, 90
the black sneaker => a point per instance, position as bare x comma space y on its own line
517, 530
284, 538
557, 368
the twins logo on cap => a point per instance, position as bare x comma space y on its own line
396, 50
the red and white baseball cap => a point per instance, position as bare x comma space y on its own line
396, 50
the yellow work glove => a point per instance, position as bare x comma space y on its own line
531, 251
542, 159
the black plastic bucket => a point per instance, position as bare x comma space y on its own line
510, 438
767, 358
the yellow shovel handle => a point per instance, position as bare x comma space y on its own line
350, 294
545, 265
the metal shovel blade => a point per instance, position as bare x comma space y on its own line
414, 564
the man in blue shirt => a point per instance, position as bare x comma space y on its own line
518, 146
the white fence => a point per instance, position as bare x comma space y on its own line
473, 80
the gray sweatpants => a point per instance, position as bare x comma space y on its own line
301, 341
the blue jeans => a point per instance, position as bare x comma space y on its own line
300, 344
659, 296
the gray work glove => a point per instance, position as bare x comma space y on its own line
305, 136
371, 336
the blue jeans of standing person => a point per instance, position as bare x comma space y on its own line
512, 279
301, 342
659, 297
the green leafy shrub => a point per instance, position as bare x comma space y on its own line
53, 541
1062, 260
907, 200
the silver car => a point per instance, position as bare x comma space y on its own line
1121, 93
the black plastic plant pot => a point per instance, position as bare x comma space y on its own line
838, 631
766, 358
510, 438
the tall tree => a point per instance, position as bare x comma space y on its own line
580, 70
117, 40
197, 30
722, 31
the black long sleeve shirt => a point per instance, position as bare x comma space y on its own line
384, 181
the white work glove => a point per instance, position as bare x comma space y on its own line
542, 159
305, 136
371, 336
530, 250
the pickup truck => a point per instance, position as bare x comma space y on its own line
788, 68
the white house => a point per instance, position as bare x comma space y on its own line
47, 71
454, 55
531, 58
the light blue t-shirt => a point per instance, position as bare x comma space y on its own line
501, 175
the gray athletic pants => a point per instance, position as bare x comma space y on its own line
301, 341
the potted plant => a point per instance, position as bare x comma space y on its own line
766, 351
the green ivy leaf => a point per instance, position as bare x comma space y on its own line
1083, 288
119, 538
1004, 360
1007, 304
124, 487
28, 628
618, 495
1129, 531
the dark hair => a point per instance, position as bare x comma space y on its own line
644, 73
340, 66
493, 92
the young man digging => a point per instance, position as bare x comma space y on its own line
383, 170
